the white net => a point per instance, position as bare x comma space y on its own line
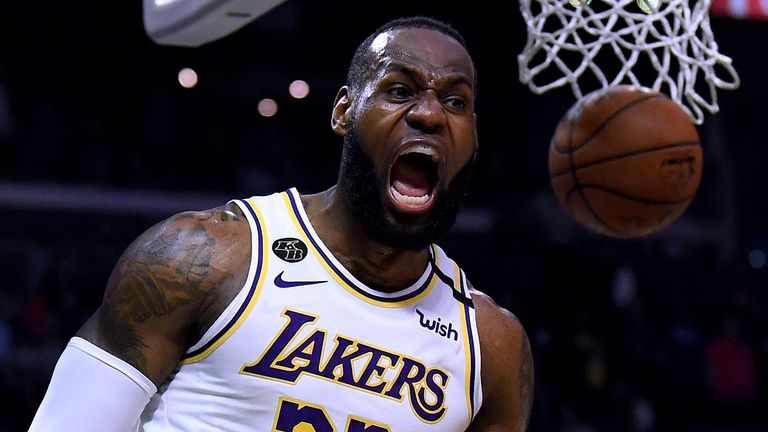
604, 43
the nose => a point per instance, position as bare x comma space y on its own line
427, 113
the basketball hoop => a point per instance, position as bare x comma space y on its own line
665, 45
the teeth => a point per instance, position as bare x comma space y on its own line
409, 199
423, 149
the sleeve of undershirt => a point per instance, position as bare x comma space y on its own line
92, 391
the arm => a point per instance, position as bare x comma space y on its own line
166, 289
506, 368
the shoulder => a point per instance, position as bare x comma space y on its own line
194, 257
503, 339
196, 248
197, 236
166, 285
506, 366
216, 224
495, 319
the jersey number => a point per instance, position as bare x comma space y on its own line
298, 416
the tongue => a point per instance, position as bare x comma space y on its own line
409, 180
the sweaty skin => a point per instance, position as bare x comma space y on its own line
173, 281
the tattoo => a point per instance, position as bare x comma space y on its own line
526, 380
167, 276
154, 279
125, 343
226, 215
229, 212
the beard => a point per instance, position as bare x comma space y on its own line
384, 225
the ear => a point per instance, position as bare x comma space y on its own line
474, 121
342, 107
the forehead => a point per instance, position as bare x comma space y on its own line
425, 49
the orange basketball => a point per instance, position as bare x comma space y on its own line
625, 161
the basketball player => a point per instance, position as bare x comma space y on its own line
326, 312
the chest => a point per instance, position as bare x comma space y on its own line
311, 352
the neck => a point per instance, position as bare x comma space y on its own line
381, 267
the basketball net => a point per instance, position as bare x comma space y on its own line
569, 41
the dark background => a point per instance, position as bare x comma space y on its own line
664, 333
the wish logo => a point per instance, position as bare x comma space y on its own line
446, 331
289, 249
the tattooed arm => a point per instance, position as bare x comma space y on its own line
168, 286
506, 368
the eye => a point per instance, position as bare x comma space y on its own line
456, 102
399, 92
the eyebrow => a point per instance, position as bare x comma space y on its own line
454, 78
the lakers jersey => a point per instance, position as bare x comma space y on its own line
305, 346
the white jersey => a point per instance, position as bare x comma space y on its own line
305, 346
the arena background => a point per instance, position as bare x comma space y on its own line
99, 141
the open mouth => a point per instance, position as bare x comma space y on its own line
413, 179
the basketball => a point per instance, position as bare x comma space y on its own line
625, 161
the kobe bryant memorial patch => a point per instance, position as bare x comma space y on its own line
289, 249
